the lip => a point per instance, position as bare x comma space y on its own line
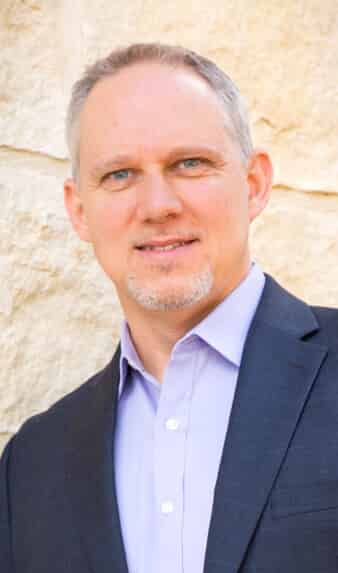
164, 242
181, 249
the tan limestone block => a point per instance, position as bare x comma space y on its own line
296, 241
34, 75
59, 316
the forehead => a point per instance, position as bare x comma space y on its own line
150, 106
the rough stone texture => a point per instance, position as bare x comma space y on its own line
57, 308
296, 241
59, 317
32, 99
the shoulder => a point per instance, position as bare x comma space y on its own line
67, 403
327, 319
283, 310
45, 432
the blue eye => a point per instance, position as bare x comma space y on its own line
191, 162
120, 174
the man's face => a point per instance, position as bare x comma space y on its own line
163, 194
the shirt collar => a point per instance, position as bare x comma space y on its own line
227, 326
225, 329
128, 356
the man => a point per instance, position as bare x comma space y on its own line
209, 443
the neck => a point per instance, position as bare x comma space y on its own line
155, 336
155, 333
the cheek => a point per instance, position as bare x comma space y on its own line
225, 217
105, 221
223, 209
107, 235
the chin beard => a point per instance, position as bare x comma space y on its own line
191, 291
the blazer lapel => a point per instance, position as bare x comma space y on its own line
89, 472
276, 376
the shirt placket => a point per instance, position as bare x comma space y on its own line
171, 429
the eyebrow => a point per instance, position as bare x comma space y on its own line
120, 160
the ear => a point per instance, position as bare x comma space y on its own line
259, 177
74, 205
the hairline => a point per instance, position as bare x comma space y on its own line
239, 131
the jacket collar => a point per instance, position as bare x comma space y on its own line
89, 471
277, 372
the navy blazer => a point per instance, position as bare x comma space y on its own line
276, 498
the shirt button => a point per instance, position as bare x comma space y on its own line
167, 507
172, 424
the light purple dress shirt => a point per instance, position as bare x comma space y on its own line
170, 436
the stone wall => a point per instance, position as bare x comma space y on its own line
59, 316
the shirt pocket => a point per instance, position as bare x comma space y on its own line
304, 499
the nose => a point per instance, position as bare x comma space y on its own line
157, 199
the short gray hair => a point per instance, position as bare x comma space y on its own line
175, 56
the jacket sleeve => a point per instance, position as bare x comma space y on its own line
6, 564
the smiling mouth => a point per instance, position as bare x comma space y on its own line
166, 248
